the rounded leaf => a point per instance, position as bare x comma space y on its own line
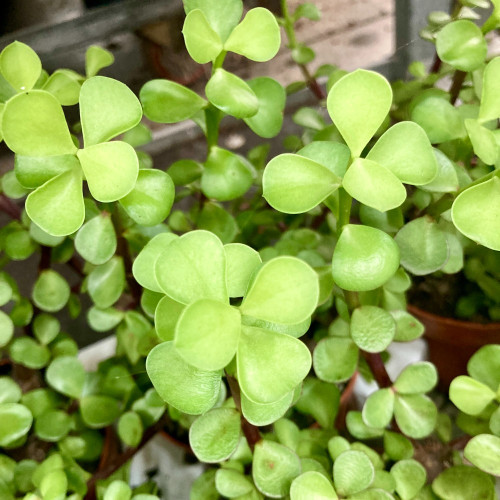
335, 359
106, 282
484, 452
352, 472
312, 484
66, 375
52, 425
462, 482
103, 320
410, 477
167, 314
96, 239
333, 155
417, 378
241, 263
232, 483
65, 85
6, 329
202, 42
99, 411
15, 422
378, 408
489, 109
372, 328
485, 366
264, 414
130, 428
51, 291
97, 58
20, 66
469, 395
10, 392
415, 414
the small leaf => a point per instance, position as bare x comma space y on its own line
364, 258
66, 375
446, 180
489, 109
256, 37
469, 395
20, 66
186, 388
118, 490
96, 239
397, 446
462, 482
352, 472
358, 104
15, 422
97, 58
106, 282
28, 352
417, 378
110, 168
215, 435
65, 86
219, 221
185, 172
130, 428
232, 483
241, 263
484, 366
475, 213
51, 291
99, 411
372, 328
359, 429
333, 155
169, 102
378, 408
46, 328
321, 400
32, 172
202, 42
410, 478
265, 414
312, 484
484, 452
103, 320
415, 414
335, 359
231, 95
10, 392
52, 425
483, 141
107, 108
6, 329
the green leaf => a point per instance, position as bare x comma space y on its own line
352, 472
219, 221
107, 108
130, 428
193, 267
33, 124
417, 378
378, 408
143, 267
99, 411
40, 236
96, 239
312, 484
461, 44
397, 446
66, 375
257, 37
32, 172
226, 176
46, 328
51, 291
358, 104
65, 86
215, 435
484, 452
232, 483
184, 172
106, 282
97, 58
285, 290
202, 42
475, 213
15, 422
462, 482
269, 118
183, 386
52, 425
110, 168
321, 400
241, 263
302, 54
483, 141
103, 320
11, 186
489, 109
335, 359
374, 185
10, 392
6, 329
333, 155
364, 258
274, 468
265, 414
469, 395
484, 366
295, 184
118, 490
410, 478
415, 414
169, 102
57, 206
446, 180
372, 328
231, 94
207, 334
423, 246
270, 364
406, 151
20, 66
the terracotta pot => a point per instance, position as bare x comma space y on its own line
452, 342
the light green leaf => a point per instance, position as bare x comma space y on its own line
462, 45
215, 435
410, 478
184, 172
423, 246
312, 484
265, 414
352, 472
130, 428
415, 414
28, 352
51, 291
285, 290
11, 186
97, 58
167, 314
333, 155
485, 366
20, 66
295, 184
378, 408
364, 258
446, 180
483, 141
103, 320
462, 482
484, 452
193, 267
99, 411
46, 328
107, 108
232, 483
118, 490
10, 392
475, 213
186, 388
469, 395
270, 364
321, 400
53, 425
169, 102
219, 221
335, 359
256, 37
96, 239
202, 42
406, 151
66, 375
40, 236
417, 378
241, 263
358, 104
372, 328
15, 422
33, 124
231, 95
110, 168
489, 109
397, 446
32, 172
64, 85
274, 468
374, 185
106, 282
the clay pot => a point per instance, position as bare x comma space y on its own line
452, 342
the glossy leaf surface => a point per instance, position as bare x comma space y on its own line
202, 41
96, 239
106, 282
51, 291
66, 375
490, 98
484, 452
241, 263
20, 66
15, 422
372, 328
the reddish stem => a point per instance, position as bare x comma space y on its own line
377, 368
9, 207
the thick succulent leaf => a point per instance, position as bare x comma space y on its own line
169, 102
489, 108
410, 477
97, 58
33, 124
51, 291
65, 86
335, 359
352, 472
241, 263
265, 414
103, 320
397, 446
483, 141
364, 258
269, 118
106, 282
417, 378
358, 104
167, 314
184, 387
130, 428
470, 395
446, 180
20, 66
96, 239
484, 452
378, 408
231, 95
202, 42
485, 366
285, 290
462, 482
295, 184
461, 44
66, 375
15, 422
99, 411
232, 483
321, 400
32, 171
26, 351
333, 155
193, 267
406, 151
476, 212
256, 37
270, 364
107, 108
415, 414
110, 168
374, 185
312, 484
215, 435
